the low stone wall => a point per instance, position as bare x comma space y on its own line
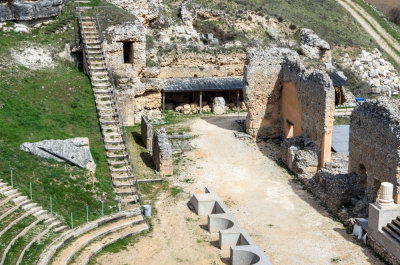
162, 152
147, 133
29, 10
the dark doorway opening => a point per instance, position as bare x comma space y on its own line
128, 52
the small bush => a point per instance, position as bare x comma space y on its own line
292, 27
280, 19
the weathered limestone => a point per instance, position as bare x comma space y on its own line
162, 152
29, 10
218, 105
243, 249
75, 151
132, 34
374, 143
284, 100
147, 132
313, 46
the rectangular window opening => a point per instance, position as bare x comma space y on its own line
128, 52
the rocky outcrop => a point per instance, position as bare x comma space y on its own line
29, 10
379, 73
75, 151
313, 46
162, 152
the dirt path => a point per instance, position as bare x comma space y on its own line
383, 38
282, 218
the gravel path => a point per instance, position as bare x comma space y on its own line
282, 218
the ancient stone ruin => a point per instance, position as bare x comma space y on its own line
374, 143
162, 152
284, 100
313, 46
147, 132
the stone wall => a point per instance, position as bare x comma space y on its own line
29, 10
162, 152
147, 133
126, 75
374, 144
267, 74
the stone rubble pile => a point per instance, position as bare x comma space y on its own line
376, 71
194, 108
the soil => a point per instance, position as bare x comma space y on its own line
383, 38
385, 5
286, 222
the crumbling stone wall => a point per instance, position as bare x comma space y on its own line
147, 132
126, 75
29, 10
374, 145
267, 74
162, 152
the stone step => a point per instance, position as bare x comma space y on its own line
102, 91
101, 86
118, 163
27, 201
35, 209
125, 177
60, 229
50, 220
55, 224
29, 206
15, 195
116, 156
5, 188
125, 191
94, 47
130, 198
123, 184
10, 192
3, 184
119, 170
19, 199
41, 212
114, 141
115, 148
108, 122
102, 97
112, 115
95, 52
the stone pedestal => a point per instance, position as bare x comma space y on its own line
386, 198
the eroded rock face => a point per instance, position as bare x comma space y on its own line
29, 10
75, 151
313, 46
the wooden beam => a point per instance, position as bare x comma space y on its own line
201, 102
163, 102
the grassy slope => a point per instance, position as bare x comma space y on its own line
50, 104
326, 17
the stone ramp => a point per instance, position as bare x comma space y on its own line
110, 118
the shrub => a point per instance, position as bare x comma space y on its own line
292, 26
280, 19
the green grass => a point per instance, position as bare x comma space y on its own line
329, 20
342, 121
20, 243
6, 238
383, 21
9, 218
176, 190
32, 254
54, 103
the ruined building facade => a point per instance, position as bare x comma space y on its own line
374, 145
284, 100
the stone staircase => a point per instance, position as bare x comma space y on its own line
393, 229
22, 221
110, 118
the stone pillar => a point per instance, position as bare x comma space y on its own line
162, 152
147, 132
386, 198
